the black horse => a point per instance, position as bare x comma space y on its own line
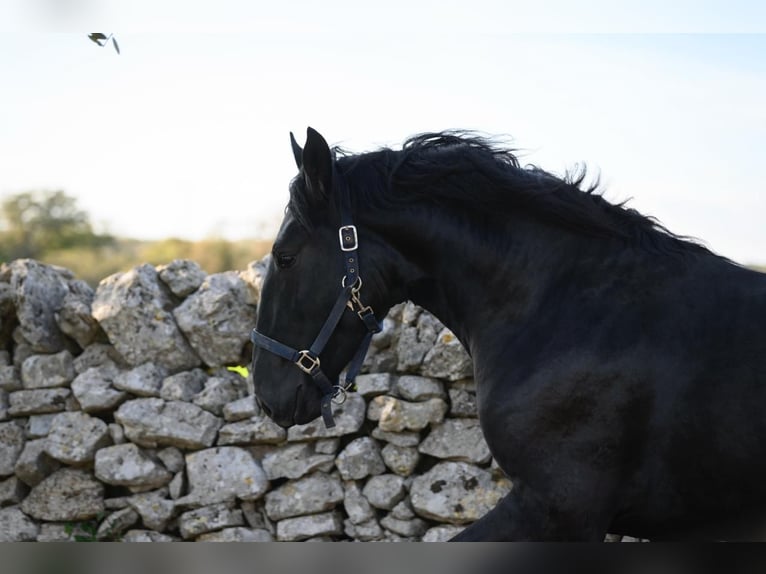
620, 369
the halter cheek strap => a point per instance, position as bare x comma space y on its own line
307, 360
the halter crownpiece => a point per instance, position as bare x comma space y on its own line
307, 360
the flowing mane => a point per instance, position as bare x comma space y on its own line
469, 173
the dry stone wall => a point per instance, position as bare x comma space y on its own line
119, 420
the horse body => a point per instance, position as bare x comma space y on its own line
620, 377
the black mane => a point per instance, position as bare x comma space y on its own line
470, 172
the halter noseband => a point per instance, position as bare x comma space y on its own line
307, 360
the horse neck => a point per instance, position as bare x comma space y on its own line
478, 273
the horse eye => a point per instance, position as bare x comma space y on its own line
284, 261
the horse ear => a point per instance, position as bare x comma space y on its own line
297, 151
317, 164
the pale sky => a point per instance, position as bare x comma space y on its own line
186, 132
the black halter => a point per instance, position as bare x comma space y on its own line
307, 360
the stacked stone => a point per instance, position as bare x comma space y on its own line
120, 421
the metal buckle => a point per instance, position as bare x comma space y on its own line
313, 362
340, 395
349, 240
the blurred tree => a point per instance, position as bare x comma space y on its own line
37, 222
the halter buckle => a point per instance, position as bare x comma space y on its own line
307, 362
349, 240
340, 395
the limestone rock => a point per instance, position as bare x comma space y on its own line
357, 507
74, 317
11, 445
9, 378
414, 527
138, 535
304, 527
309, 495
144, 380
404, 438
442, 533
402, 460
457, 439
349, 418
223, 474
94, 390
182, 276
218, 392
3, 405
374, 384
66, 495
258, 430
115, 525
456, 492
207, 519
397, 415
415, 388
135, 311
253, 276
39, 426
360, 458
385, 490
155, 509
99, 355
295, 460
462, 403
39, 291
183, 386
151, 422
447, 359
172, 458
240, 409
12, 491
217, 318
47, 371
15, 526
128, 465
38, 401
363, 531
34, 464
75, 437
237, 534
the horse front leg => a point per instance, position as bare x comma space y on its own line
523, 515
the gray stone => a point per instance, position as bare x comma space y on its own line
64, 532
75, 437
415, 388
34, 464
403, 510
358, 508
128, 465
255, 515
154, 508
172, 458
207, 519
178, 486
304, 527
385, 490
9, 378
74, 317
457, 439
217, 318
116, 502
415, 340
253, 276
144, 380
401, 460
95, 392
183, 386
15, 526
115, 525
12, 491
258, 430
223, 474
327, 446
447, 359
366, 531
38, 426
241, 409
3, 405
47, 371
151, 422
66, 495
397, 415
116, 433
11, 445
462, 403
135, 311
349, 418
414, 527
442, 533
218, 392
456, 492
99, 355
374, 384
22, 403
295, 460
39, 291
238, 534
182, 276
146, 536
405, 438
360, 458
309, 495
